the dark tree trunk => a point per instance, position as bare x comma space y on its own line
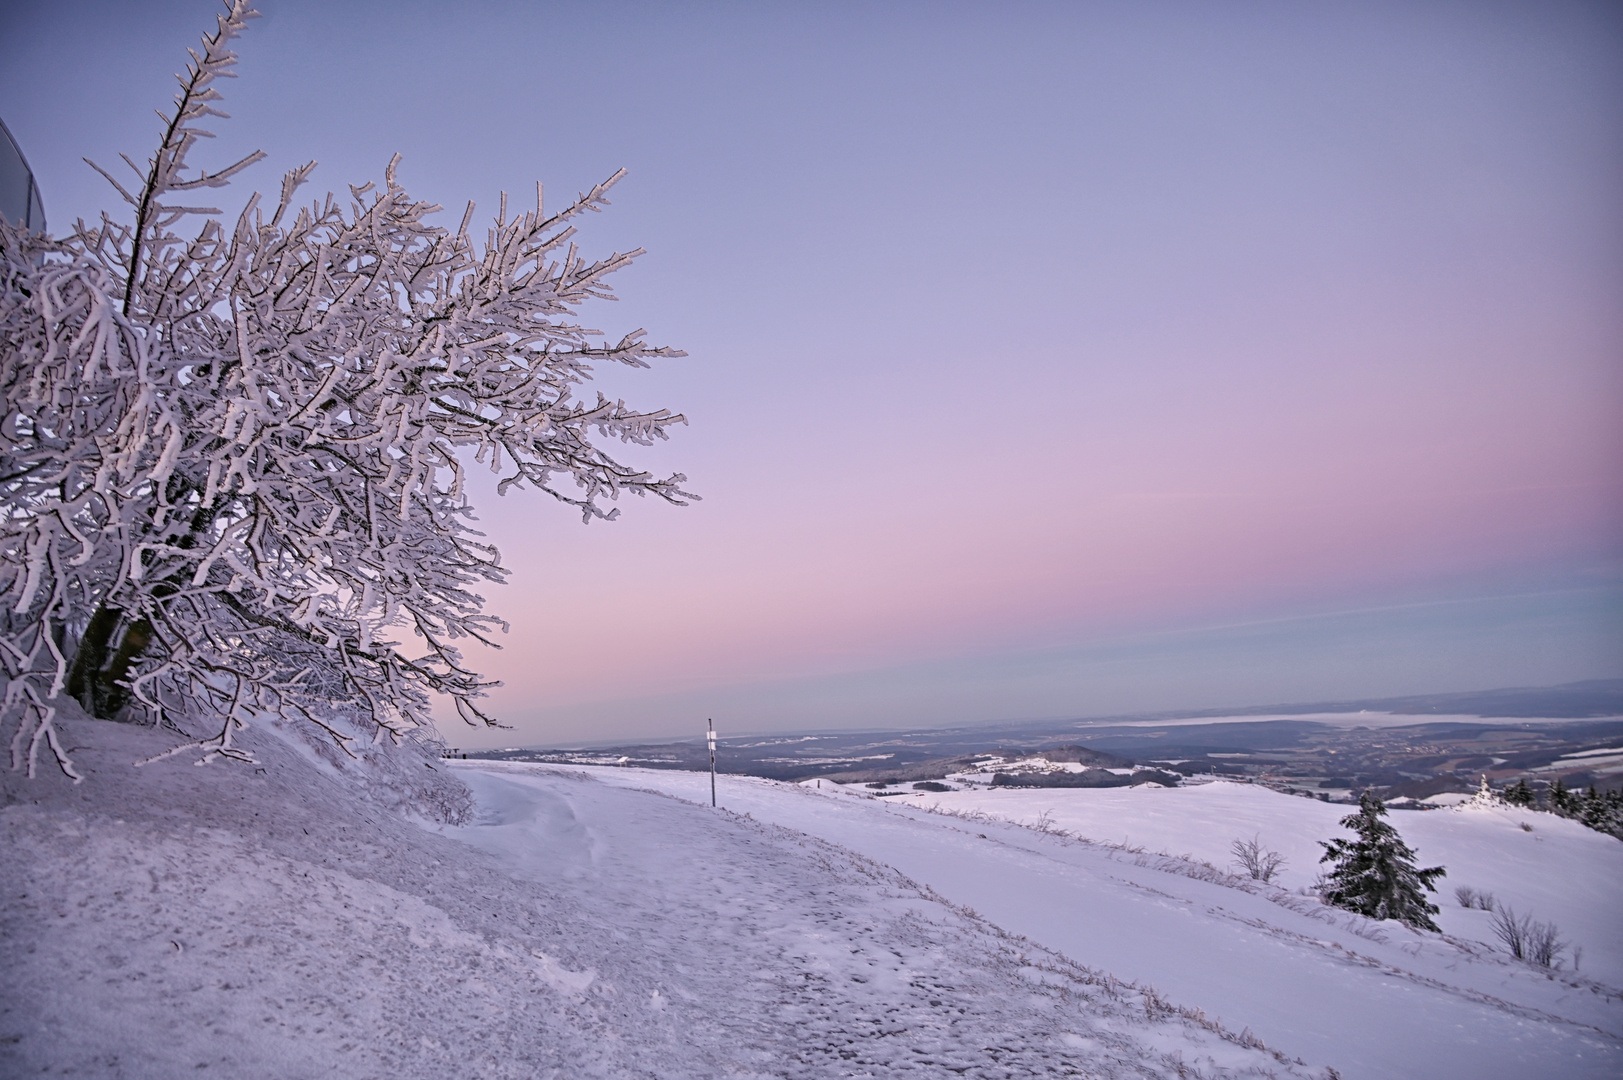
98, 665
92, 657
93, 678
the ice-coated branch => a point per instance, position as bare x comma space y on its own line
145, 250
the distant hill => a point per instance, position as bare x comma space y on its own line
1567, 701
1283, 742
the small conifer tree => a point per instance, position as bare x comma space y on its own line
1375, 874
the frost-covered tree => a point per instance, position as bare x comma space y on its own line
232, 460
1375, 874
1485, 797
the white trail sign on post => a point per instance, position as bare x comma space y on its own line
710, 735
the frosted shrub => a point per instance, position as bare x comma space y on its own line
1535, 942
1513, 931
1261, 864
1544, 945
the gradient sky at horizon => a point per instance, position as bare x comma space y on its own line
1045, 359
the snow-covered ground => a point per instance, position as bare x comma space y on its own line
1371, 1000
282, 921
1559, 871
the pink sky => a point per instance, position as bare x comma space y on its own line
1016, 334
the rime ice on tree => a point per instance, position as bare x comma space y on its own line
232, 464
1485, 798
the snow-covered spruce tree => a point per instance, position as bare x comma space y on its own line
1601, 811
1375, 874
232, 462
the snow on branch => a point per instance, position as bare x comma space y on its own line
232, 464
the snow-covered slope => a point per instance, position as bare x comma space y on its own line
1554, 869
281, 920
1371, 1000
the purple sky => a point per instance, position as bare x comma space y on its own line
1045, 359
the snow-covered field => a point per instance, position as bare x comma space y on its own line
1371, 1000
1559, 871
282, 921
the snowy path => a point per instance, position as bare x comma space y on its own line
272, 922
1310, 987
840, 965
